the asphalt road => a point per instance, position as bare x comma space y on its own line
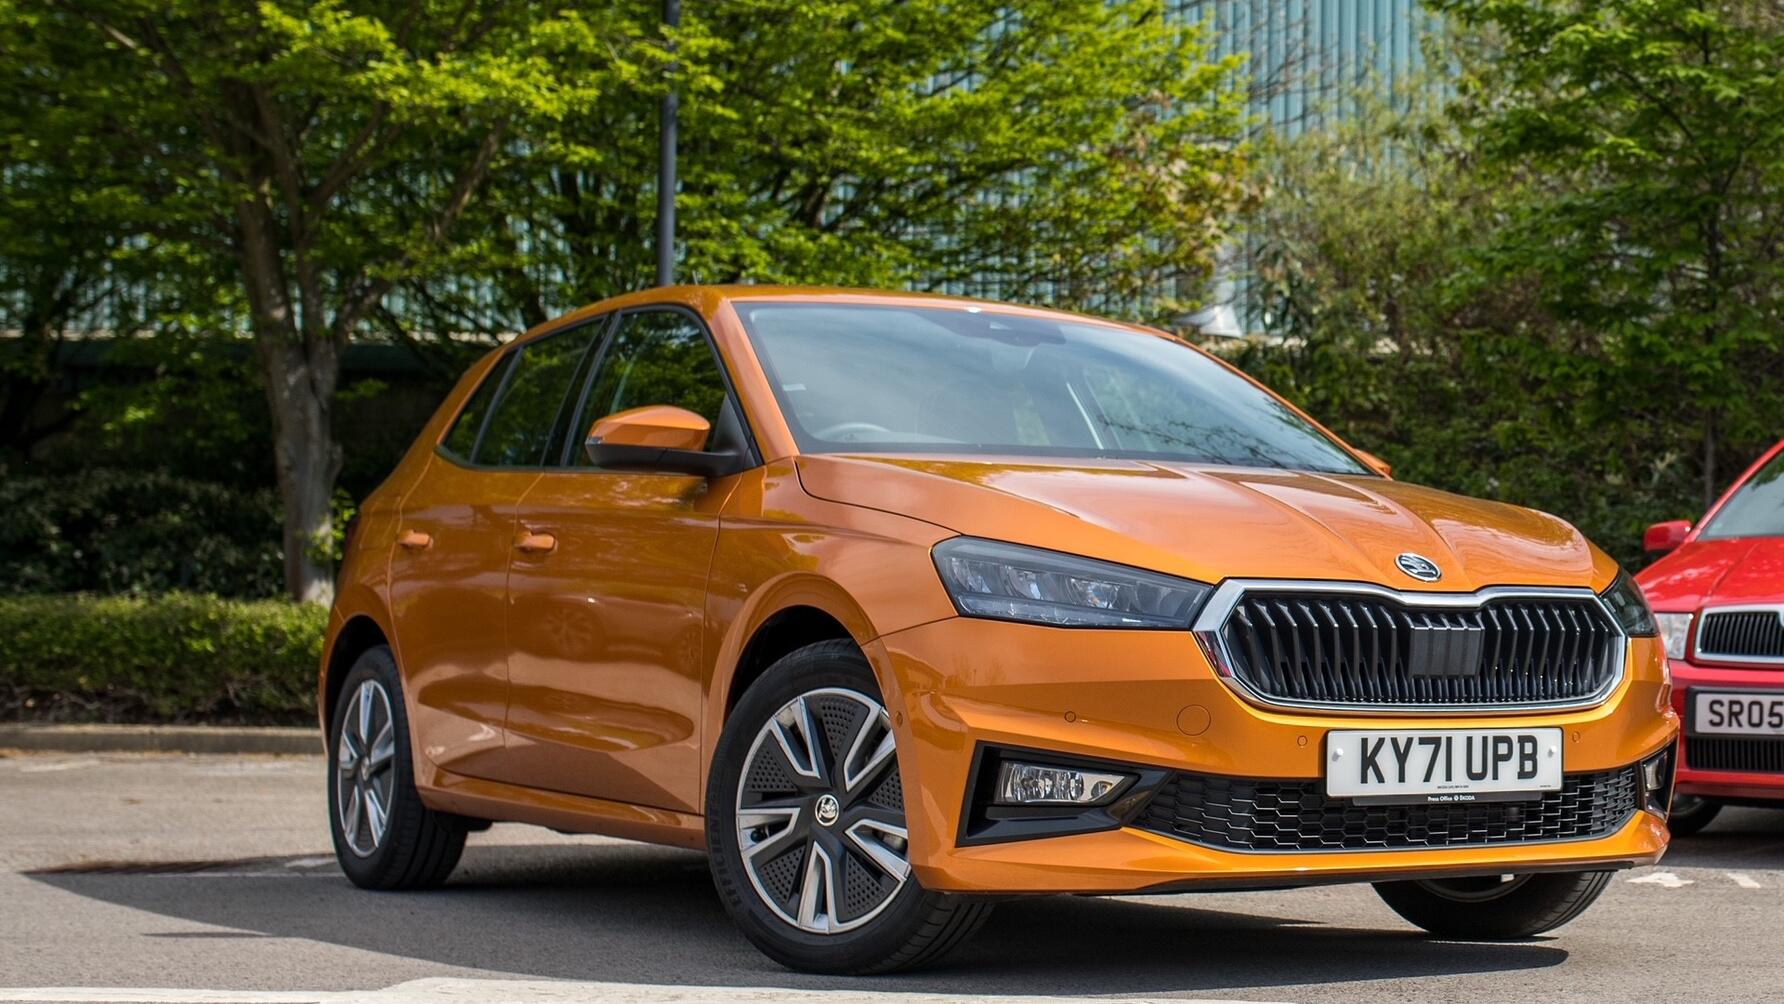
169, 879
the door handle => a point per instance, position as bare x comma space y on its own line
415, 540
536, 543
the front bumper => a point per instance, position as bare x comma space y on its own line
1151, 698
1731, 784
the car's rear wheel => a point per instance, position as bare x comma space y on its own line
1494, 907
384, 837
1690, 814
806, 828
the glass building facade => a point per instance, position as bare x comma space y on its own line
1306, 63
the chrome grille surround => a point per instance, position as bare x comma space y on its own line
1749, 634
1211, 633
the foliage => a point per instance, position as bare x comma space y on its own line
1081, 153
1653, 131
318, 154
191, 405
1420, 316
118, 531
405, 170
169, 658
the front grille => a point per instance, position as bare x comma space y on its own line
1365, 649
1752, 756
1251, 815
1741, 634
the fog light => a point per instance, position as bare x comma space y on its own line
1034, 784
1657, 781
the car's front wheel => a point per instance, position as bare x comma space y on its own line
806, 828
1494, 907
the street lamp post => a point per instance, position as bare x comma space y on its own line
666, 164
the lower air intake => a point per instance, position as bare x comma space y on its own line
1250, 815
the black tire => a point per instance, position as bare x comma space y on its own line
910, 926
1691, 814
1494, 908
418, 847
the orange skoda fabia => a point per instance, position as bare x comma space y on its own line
897, 604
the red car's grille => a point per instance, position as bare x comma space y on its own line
1742, 634
1747, 756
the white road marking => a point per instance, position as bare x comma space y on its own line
145, 995
1744, 880
54, 765
444, 990
229, 875
310, 863
1666, 880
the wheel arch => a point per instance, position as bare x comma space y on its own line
357, 635
781, 617
780, 633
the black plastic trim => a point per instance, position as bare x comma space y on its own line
1305, 881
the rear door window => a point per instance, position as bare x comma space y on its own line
532, 399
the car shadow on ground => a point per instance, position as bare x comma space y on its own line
639, 914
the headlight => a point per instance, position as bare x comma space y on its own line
1675, 630
1630, 608
1015, 583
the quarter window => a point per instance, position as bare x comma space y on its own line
461, 442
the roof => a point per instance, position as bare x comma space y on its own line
708, 298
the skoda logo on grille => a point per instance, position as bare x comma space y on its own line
1419, 567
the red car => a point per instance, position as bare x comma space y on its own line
1718, 594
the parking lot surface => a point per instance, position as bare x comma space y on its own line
161, 878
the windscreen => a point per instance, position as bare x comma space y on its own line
1756, 509
858, 378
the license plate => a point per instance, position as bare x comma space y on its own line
1442, 765
1737, 713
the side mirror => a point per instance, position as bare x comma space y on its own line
1377, 464
656, 437
1667, 536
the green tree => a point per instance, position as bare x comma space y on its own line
319, 154
1653, 134
425, 170
1393, 323
64, 229
1081, 153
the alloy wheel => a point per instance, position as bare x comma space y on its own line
365, 762
820, 812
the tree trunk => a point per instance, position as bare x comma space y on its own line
300, 361
300, 381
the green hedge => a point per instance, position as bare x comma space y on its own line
114, 531
176, 657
